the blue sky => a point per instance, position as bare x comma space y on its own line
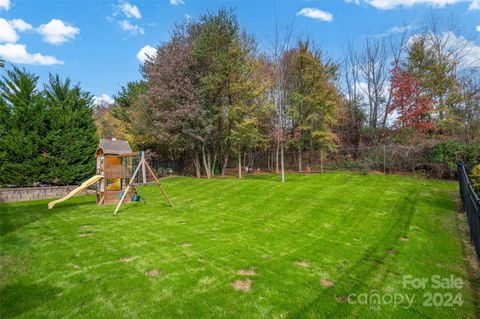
97, 43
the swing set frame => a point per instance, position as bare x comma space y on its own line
144, 165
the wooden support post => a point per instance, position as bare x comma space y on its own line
128, 187
144, 173
159, 185
102, 199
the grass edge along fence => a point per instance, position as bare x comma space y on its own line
471, 206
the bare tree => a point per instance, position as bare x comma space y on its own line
367, 74
352, 95
374, 71
279, 84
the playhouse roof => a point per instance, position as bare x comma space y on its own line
113, 147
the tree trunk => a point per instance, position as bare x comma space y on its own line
321, 161
239, 164
312, 149
282, 165
225, 164
300, 160
206, 163
212, 167
277, 170
196, 162
268, 161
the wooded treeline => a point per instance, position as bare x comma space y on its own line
209, 95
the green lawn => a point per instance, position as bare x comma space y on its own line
305, 246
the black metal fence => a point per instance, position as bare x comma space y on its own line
166, 167
471, 206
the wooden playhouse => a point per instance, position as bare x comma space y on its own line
114, 162
118, 170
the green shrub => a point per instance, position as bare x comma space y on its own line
475, 178
452, 152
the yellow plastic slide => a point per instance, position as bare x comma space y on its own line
88, 182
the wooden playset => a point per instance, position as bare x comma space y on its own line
117, 172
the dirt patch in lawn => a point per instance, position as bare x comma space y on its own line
302, 263
126, 259
247, 272
242, 285
86, 234
326, 282
391, 251
404, 238
342, 299
153, 273
84, 227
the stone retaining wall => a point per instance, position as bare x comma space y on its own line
32, 193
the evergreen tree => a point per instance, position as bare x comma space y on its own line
71, 139
22, 128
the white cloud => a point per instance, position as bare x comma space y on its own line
394, 30
399, 29
146, 52
5, 4
466, 51
130, 10
478, 28
391, 4
470, 56
176, 2
125, 25
20, 25
101, 100
7, 32
57, 32
474, 6
17, 53
315, 14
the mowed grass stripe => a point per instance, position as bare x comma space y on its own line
154, 261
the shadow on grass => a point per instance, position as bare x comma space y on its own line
14, 216
19, 298
356, 277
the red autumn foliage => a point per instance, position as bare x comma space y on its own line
414, 108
